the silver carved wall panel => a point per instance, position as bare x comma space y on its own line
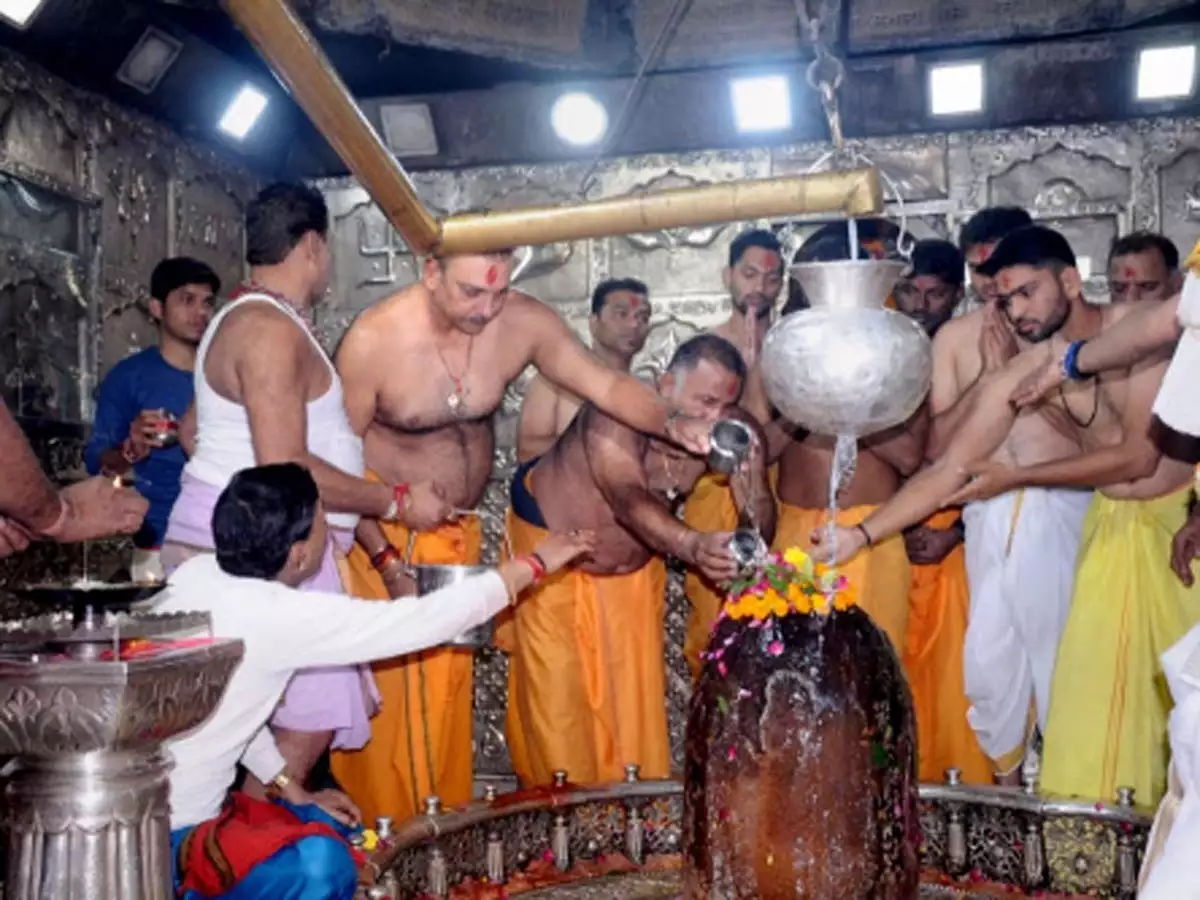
1094, 182
112, 193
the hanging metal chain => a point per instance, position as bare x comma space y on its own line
825, 73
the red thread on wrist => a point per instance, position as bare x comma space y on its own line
536, 566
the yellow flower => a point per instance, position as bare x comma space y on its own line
845, 599
777, 605
794, 556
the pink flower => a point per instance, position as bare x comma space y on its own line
743, 693
732, 754
775, 648
721, 668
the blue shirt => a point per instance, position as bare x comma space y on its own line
143, 381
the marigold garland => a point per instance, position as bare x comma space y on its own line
789, 582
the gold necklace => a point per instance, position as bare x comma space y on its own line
456, 400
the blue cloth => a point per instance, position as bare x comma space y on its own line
143, 381
313, 868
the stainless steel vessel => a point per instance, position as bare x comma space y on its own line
85, 705
729, 446
431, 578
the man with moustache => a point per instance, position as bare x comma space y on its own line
266, 392
619, 324
587, 686
142, 393
424, 371
1143, 266
754, 279
938, 601
1107, 716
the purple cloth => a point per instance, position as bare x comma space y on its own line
340, 699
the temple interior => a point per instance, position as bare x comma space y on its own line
141, 131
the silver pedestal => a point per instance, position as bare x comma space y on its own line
89, 827
85, 714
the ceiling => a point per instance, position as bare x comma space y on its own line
390, 48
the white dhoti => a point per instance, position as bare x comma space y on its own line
1170, 871
1020, 553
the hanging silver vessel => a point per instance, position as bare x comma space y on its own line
847, 365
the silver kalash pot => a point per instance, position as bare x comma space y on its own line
847, 365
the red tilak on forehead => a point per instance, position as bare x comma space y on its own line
1128, 272
493, 273
1005, 282
981, 253
635, 302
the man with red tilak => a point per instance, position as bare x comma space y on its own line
423, 372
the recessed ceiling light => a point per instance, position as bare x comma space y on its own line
1166, 72
955, 88
579, 118
19, 12
762, 103
243, 112
149, 60
408, 129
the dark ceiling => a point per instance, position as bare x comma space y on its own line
384, 54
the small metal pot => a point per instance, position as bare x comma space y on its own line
432, 578
729, 446
748, 548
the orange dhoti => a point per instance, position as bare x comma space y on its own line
586, 679
880, 575
421, 740
933, 662
709, 508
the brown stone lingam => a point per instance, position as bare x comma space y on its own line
800, 777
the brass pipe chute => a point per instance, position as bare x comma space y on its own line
292, 52
286, 44
856, 192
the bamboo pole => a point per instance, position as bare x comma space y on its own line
285, 43
292, 52
854, 192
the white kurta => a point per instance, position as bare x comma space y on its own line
1020, 554
283, 630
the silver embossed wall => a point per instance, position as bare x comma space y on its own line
91, 198
1093, 182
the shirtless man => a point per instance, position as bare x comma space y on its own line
424, 370
1143, 266
586, 679
267, 393
1008, 666
1109, 714
619, 324
754, 279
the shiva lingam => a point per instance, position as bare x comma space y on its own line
800, 777
87, 698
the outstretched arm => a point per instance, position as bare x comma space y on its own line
982, 433
26, 494
1154, 326
1135, 456
614, 454
560, 356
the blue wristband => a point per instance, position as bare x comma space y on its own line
1070, 362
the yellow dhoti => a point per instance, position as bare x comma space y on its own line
586, 686
881, 575
1109, 701
709, 508
422, 737
933, 661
